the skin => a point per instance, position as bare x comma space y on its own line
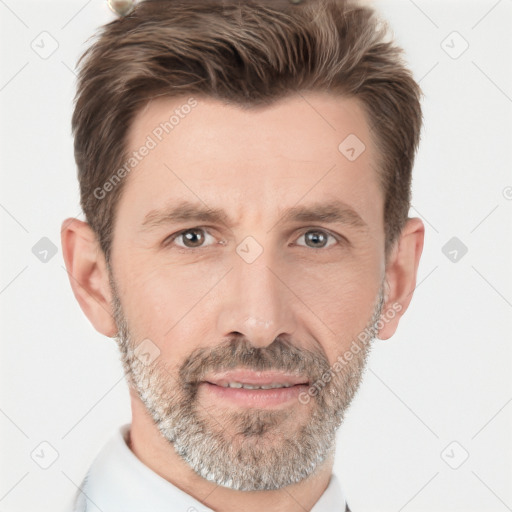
254, 164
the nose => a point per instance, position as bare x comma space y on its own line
257, 303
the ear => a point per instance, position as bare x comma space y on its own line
401, 272
88, 276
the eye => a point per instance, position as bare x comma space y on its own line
192, 238
318, 238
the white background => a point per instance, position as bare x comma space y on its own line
443, 378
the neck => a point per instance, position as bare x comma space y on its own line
149, 446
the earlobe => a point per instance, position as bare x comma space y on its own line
87, 273
401, 273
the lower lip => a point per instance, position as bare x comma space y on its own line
255, 397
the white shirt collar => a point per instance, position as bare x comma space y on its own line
118, 481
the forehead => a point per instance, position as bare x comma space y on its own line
323, 119
309, 146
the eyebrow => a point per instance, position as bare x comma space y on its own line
334, 211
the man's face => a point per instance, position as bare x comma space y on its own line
253, 289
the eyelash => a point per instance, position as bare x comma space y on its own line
170, 239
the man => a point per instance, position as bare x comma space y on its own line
245, 172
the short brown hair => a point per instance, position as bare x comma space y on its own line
248, 53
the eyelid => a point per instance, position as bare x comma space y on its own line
170, 239
340, 239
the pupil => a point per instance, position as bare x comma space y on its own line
191, 234
316, 235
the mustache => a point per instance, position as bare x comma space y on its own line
238, 352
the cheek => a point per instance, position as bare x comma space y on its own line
169, 304
343, 297
163, 303
344, 305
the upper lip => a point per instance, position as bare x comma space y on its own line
253, 378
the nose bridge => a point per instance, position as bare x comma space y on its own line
259, 305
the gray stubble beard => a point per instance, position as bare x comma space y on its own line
246, 450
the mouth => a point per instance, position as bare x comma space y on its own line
255, 389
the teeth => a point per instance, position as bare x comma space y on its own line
250, 386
